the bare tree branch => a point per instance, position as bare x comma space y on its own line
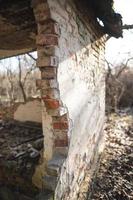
124, 67
27, 74
31, 56
109, 72
20, 80
127, 27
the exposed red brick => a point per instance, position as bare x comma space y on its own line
60, 125
46, 40
42, 14
41, 10
48, 73
52, 103
46, 51
51, 61
60, 134
61, 143
50, 93
49, 27
63, 118
47, 85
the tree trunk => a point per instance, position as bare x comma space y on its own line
23, 91
20, 81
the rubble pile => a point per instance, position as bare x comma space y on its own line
20, 149
114, 179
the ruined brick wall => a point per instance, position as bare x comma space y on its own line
81, 84
71, 60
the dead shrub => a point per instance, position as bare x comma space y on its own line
119, 87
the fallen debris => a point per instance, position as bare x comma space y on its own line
20, 148
114, 179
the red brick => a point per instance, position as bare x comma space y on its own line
61, 134
50, 61
48, 73
50, 93
63, 118
46, 85
51, 103
46, 40
49, 27
60, 125
46, 51
61, 143
41, 11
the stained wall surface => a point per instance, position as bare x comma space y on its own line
80, 77
81, 84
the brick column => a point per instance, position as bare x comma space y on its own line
47, 43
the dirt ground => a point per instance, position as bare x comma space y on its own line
114, 179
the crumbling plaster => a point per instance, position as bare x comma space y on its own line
73, 44
82, 90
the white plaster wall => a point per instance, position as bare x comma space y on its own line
48, 148
81, 83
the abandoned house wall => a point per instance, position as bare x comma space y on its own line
81, 85
70, 51
29, 111
71, 59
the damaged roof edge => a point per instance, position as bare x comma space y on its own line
24, 29
105, 12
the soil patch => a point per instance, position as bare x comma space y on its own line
114, 179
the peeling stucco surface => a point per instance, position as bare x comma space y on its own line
80, 50
81, 83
